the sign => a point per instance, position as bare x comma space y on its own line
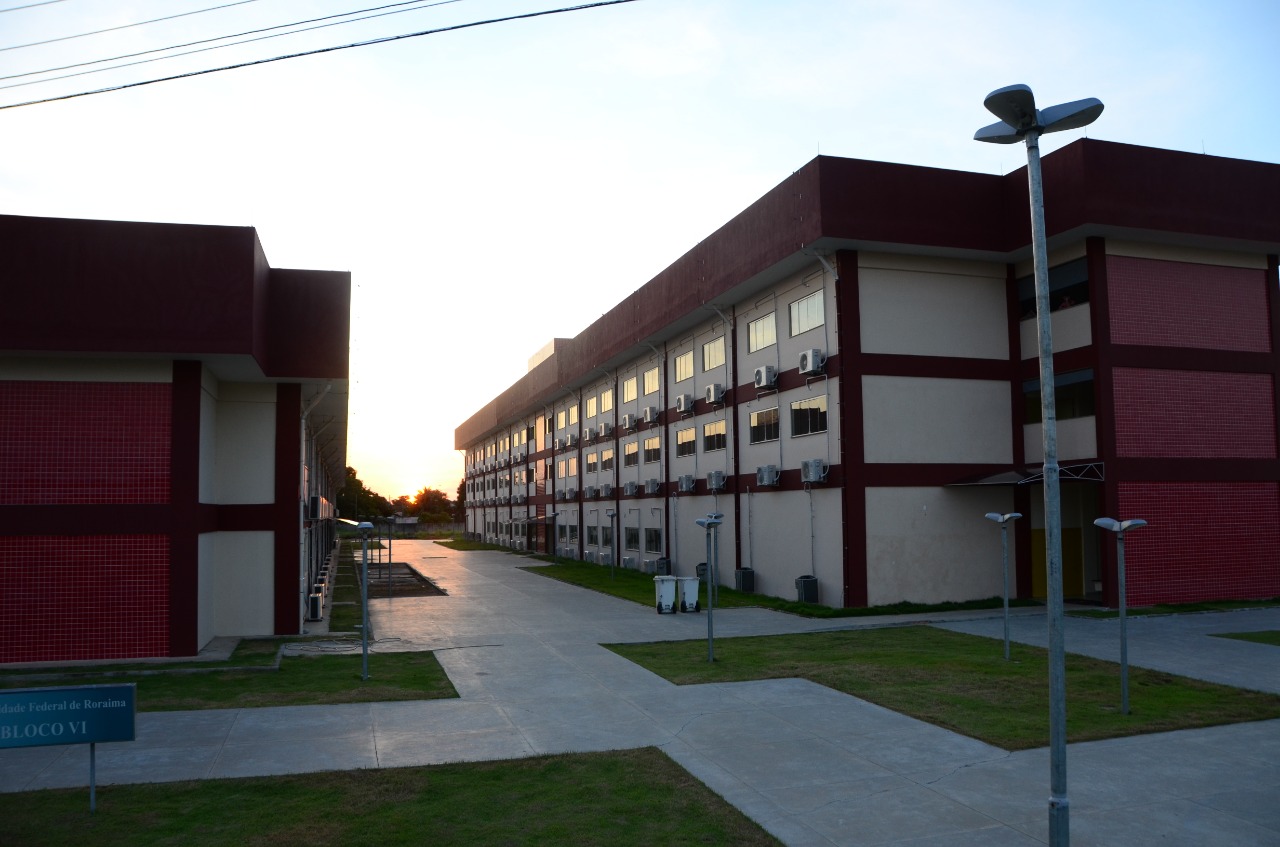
41, 717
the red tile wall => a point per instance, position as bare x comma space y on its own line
1212, 540
1180, 304
83, 597
84, 442
1193, 414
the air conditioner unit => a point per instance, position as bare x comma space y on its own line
571, 494
589, 557
766, 376
520, 498
606, 558
572, 440
715, 392
767, 475
560, 494
715, 480
606, 490
651, 414
628, 421
606, 430
629, 488
811, 361
686, 482
684, 403
651, 486
813, 470
629, 561
591, 433
590, 492
650, 565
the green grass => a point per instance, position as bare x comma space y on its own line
635, 798
638, 587
962, 682
464, 544
1271, 637
1177, 608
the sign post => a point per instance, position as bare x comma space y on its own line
86, 714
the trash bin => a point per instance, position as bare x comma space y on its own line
688, 593
315, 607
701, 570
807, 589
664, 587
744, 579
663, 566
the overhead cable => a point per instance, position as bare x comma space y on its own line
126, 26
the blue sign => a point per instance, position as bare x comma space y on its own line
40, 717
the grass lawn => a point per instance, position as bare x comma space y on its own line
962, 682
638, 587
1271, 637
634, 798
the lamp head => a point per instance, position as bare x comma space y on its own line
1015, 106
1002, 519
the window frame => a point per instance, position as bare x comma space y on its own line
720, 437
686, 446
753, 343
715, 345
652, 450
683, 366
801, 411
797, 313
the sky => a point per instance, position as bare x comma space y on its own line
493, 187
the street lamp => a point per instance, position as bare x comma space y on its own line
711, 523
1020, 120
1003, 520
365, 528
555, 538
611, 514
1120, 528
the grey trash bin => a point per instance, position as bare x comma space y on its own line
315, 607
664, 588
807, 589
744, 579
663, 567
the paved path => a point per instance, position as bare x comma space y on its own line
813, 766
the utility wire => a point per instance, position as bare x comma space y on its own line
218, 38
372, 41
29, 6
126, 26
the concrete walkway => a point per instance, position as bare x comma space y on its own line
813, 766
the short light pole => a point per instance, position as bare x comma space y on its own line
1020, 120
1003, 520
365, 528
1120, 528
611, 514
555, 538
711, 523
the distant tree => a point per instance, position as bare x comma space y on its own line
356, 500
432, 506
460, 504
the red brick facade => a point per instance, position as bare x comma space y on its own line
1194, 414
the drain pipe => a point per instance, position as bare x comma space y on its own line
302, 504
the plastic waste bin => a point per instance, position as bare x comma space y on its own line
688, 593
663, 566
664, 587
807, 589
744, 579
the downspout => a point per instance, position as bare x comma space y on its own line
302, 504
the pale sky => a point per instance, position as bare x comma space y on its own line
494, 187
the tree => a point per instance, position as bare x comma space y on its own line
432, 506
355, 500
460, 505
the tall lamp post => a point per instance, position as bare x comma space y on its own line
711, 523
611, 514
365, 528
1003, 520
555, 538
1020, 120
1120, 528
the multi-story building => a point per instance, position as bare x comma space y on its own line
847, 372
173, 428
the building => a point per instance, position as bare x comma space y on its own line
173, 416
847, 371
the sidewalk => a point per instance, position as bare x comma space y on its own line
813, 766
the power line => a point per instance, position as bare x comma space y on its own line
126, 26
383, 40
218, 38
30, 6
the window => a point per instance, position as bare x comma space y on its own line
806, 313
631, 454
591, 406
560, 469
606, 459
653, 541
1068, 286
684, 366
713, 354
573, 414
651, 381
606, 400
573, 466
761, 333
593, 536
573, 532
629, 390
686, 442
606, 536
560, 419
764, 425
563, 532
593, 462
809, 416
713, 436
631, 538
1072, 393
652, 449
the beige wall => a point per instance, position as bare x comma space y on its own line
932, 545
780, 546
245, 443
915, 419
1070, 327
237, 587
919, 306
